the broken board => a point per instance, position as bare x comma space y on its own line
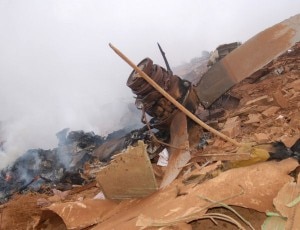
129, 174
247, 59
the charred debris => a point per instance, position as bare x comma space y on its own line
65, 166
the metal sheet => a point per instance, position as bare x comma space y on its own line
75, 215
129, 175
180, 155
247, 59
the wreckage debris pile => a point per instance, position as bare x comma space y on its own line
39, 169
70, 163
267, 112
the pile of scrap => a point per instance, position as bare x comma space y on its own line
74, 162
240, 169
41, 170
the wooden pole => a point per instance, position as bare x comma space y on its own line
172, 100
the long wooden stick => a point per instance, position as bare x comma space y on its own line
172, 100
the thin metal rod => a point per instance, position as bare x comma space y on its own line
165, 58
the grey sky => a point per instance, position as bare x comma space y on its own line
57, 71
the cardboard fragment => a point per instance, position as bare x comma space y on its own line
244, 110
43, 202
295, 120
289, 141
197, 174
275, 132
253, 118
58, 195
287, 195
129, 174
263, 100
295, 85
271, 111
261, 138
232, 127
280, 99
260, 108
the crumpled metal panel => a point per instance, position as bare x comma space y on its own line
247, 59
129, 175
179, 153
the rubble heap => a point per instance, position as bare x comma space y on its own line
41, 170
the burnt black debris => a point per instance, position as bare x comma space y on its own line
279, 151
61, 165
115, 145
296, 148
